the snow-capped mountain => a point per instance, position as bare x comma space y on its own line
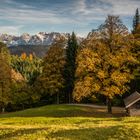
41, 38
37, 44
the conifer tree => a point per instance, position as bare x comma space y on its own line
136, 51
136, 21
28, 66
70, 67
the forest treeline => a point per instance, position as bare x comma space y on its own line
103, 69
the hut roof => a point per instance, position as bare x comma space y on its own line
132, 99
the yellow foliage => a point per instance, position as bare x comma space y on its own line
120, 78
86, 61
101, 74
103, 68
23, 56
51, 79
31, 57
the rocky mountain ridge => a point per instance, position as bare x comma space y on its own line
41, 38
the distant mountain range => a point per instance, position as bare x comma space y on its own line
36, 44
41, 38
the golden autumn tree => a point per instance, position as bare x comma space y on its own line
51, 81
5, 77
23, 56
30, 57
104, 63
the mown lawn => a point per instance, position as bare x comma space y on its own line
67, 122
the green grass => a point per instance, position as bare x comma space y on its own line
67, 122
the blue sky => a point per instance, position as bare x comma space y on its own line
81, 16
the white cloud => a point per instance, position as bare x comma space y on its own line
29, 14
12, 30
26, 14
80, 13
122, 7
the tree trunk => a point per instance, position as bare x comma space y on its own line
71, 100
2, 90
69, 97
57, 98
3, 109
109, 106
22, 106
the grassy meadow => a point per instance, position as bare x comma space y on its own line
68, 122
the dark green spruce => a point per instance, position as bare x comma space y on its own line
70, 68
136, 21
134, 86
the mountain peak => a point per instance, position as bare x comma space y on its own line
41, 38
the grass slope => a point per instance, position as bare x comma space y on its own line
67, 122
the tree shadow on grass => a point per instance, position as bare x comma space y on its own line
8, 133
99, 133
68, 111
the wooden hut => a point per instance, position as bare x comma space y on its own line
132, 104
